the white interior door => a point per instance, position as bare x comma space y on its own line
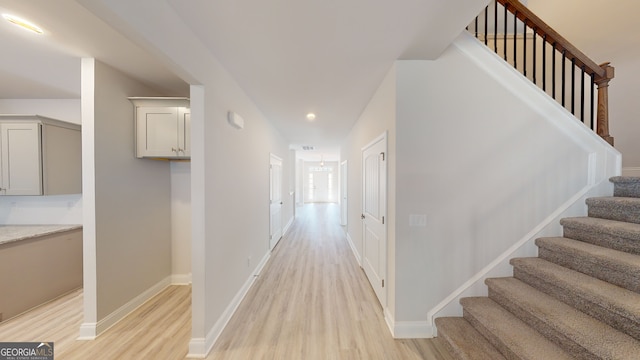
343, 193
275, 200
374, 207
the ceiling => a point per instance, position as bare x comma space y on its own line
290, 57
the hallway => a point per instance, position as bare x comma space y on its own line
311, 301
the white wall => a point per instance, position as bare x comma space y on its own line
229, 169
181, 221
59, 209
489, 160
236, 195
127, 214
61, 109
377, 118
490, 163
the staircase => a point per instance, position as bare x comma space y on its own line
579, 299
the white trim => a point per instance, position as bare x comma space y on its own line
631, 171
506, 255
384, 197
354, 250
389, 320
181, 279
408, 329
286, 227
89, 331
378, 138
199, 348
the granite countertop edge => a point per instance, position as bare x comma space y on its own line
14, 233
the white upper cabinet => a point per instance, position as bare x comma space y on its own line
39, 156
163, 128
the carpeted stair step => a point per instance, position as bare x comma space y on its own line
463, 341
581, 335
510, 335
616, 267
615, 208
618, 235
611, 304
626, 186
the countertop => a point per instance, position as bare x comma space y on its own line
12, 233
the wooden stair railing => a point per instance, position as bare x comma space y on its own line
518, 20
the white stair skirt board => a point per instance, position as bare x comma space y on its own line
89, 331
408, 329
199, 348
450, 305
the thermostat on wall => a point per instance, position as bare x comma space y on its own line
235, 120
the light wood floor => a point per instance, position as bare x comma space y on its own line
312, 301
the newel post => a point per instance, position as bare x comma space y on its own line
603, 102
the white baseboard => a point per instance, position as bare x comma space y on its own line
408, 329
89, 331
181, 279
199, 348
286, 227
354, 250
631, 171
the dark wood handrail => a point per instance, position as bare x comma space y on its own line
602, 74
523, 13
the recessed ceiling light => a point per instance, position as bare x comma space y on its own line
23, 23
311, 116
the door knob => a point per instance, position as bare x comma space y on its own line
362, 216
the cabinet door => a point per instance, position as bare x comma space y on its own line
157, 131
21, 159
184, 132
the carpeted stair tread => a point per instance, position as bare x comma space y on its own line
616, 306
626, 186
578, 333
510, 335
616, 267
463, 341
615, 208
618, 235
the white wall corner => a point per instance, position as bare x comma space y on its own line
354, 250
408, 329
199, 348
113, 318
181, 279
88, 331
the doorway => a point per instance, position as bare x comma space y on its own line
321, 182
275, 200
